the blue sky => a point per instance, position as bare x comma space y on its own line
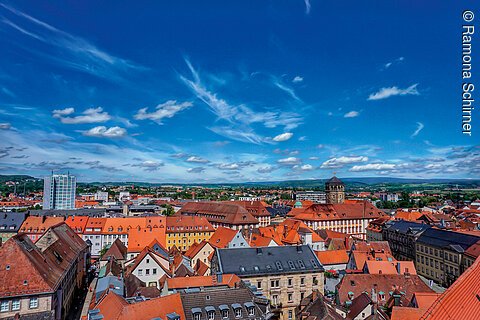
219, 91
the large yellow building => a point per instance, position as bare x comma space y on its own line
182, 231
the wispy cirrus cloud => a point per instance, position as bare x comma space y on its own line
420, 127
90, 115
385, 93
104, 132
67, 50
239, 118
165, 110
297, 79
197, 159
391, 63
374, 167
308, 6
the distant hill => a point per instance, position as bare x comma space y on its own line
16, 178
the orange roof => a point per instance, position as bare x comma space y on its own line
139, 239
77, 223
83, 203
202, 281
380, 267
460, 300
377, 246
405, 313
408, 215
184, 223
122, 225
360, 257
259, 241
34, 224
329, 257
288, 232
222, 237
220, 212
95, 223
424, 299
114, 307
406, 267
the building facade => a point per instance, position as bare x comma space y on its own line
402, 236
184, 231
285, 274
440, 253
59, 192
315, 196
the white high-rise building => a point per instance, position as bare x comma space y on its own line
59, 192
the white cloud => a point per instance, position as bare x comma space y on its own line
164, 110
351, 114
373, 167
283, 137
286, 88
420, 127
149, 165
104, 132
342, 161
266, 169
289, 161
396, 61
297, 79
5, 126
313, 158
384, 93
196, 159
196, 170
63, 112
306, 167
302, 138
91, 115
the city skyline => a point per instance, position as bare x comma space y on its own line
249, 91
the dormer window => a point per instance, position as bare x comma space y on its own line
211, 315
225, 313
197, 313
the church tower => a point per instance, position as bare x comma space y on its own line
335, 191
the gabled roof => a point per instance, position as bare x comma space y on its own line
26, 268
201, 268
77, 223
147, 252
222, 237
334, 180
358, 305
139, 239
116, 250
34, 224
195, 248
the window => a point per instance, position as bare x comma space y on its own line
290, 314
302, 281
274, 299
154, 271
251, 311
211, 315
290, 282
148, 260
16, 304
33, 303
140, 272
259, 284
147, 272
224, 313
4, 306
197, 316
238, 313
290, 297
275, 283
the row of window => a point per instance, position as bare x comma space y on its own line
147, 271
275, 284
211, 314
438, 253
15, 305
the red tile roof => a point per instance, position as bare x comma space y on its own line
77, 223
222, 237
460, 300
36, 225
256, 208
330, 257
139, 239
184, 223
229, 280
348, 210
220, 212
116, 250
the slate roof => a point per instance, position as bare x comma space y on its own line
219, 299
113, 283
334, 180
11, 221
447, 239
268, 260
404, 227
